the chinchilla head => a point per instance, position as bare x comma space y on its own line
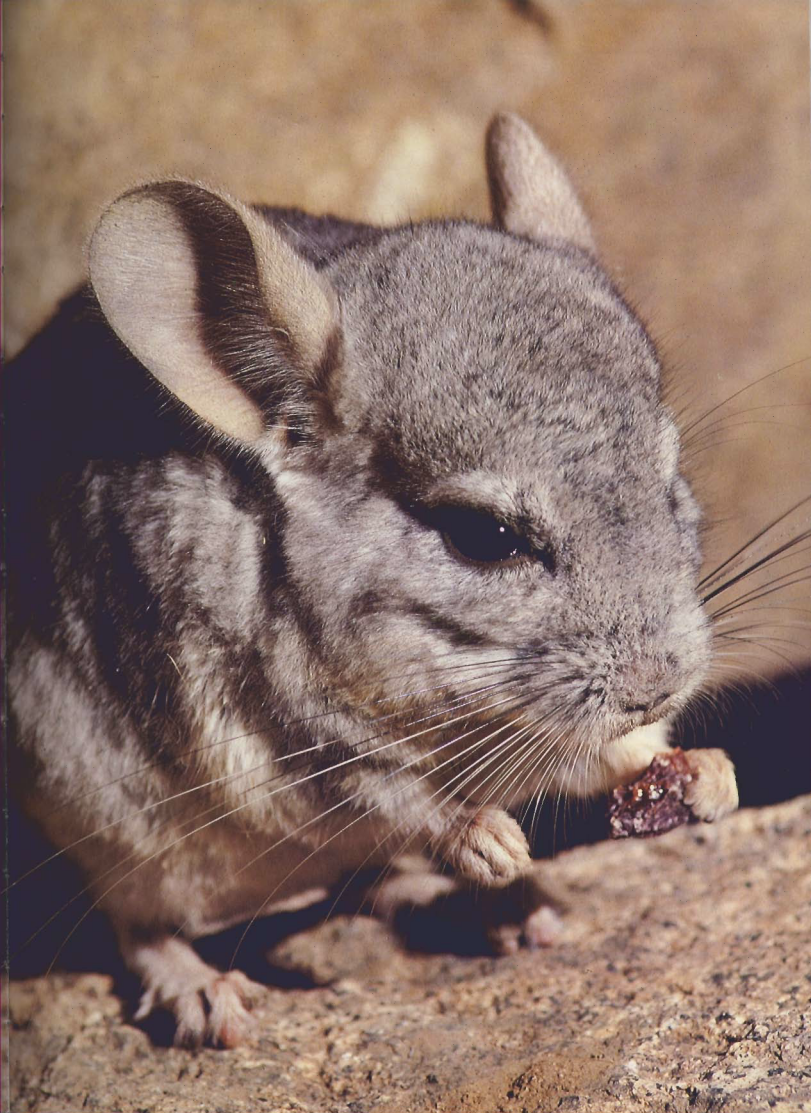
480, 485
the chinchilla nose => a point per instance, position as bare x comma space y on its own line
645, 685
645, 704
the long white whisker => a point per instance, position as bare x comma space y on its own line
466, 773
225, 779
218, 819
364, 815
281, 726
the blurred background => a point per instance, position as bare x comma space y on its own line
685, 125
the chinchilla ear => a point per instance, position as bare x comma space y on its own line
530, 193
211, 299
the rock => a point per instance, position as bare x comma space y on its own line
681, 983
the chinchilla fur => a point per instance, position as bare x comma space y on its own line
329, 541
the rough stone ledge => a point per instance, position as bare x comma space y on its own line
683, 983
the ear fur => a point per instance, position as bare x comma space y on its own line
211, 299
530, 193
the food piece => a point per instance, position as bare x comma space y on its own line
654, 803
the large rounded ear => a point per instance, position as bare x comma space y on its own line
530, 193
211, 299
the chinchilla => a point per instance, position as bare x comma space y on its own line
330, 541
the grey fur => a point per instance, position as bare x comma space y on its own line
175, 589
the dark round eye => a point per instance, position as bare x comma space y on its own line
477, 536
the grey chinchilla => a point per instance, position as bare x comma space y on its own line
330, 541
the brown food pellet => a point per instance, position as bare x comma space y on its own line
654, 803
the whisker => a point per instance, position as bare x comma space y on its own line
402, 849
743, 390
769, 608
226, 779
400, 769
704, 438
196, 830
787, 661
790, 550
549, 769
757, 593
548, 744
761, 625
279, 726
466, 776
364, 815
761, 533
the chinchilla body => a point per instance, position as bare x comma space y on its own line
325, 536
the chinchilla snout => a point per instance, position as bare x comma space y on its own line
639, 684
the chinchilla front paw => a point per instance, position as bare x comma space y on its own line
713, 792
488, 847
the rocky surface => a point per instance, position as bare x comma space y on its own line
681, 983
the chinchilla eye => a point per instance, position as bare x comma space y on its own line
477, 536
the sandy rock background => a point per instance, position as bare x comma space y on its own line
682, 982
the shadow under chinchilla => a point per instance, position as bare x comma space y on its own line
44, 901
52, 924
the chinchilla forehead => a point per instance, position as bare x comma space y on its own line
467, 348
